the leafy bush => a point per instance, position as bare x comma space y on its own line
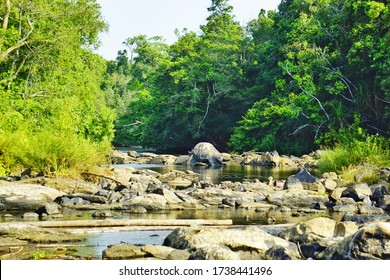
49, 152
372, 150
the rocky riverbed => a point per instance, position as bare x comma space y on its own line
361, 231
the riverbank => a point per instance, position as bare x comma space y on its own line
361, 209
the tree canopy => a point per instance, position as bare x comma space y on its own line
312, 73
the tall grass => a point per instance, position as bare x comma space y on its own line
373, 150
49, 152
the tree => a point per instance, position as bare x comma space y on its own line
49, 79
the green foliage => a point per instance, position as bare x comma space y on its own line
51, 103
313, 73
333, 80
372, 150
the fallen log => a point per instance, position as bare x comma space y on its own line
127, 222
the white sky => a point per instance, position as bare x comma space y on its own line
128, 18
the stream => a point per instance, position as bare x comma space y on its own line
98, 239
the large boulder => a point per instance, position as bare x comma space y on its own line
228, 244
371, 242
26, 196
205, 153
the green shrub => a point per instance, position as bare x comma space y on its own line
50, 152
373, 150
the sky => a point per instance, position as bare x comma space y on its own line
128, 18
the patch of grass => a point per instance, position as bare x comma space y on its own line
51, 153
374, 150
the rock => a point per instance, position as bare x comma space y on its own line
267, 159
226, 157
102, 214
330, 175
30, 216
149, 202
205, 153
229, 202
250, 243
371, 242
330, 185
362, 219
91, 198
214, 252
33, 234
159, 252
337, 193
178, 183
171, 197
179, 255
385, 202
135, 209
357, 192
163, 159
50, 209
70, 186
26, 196
305, 177
309, 231
363, 208
293, 183
182, 160
345, 229
147, 155
278, 253
123, 251
345, 208
285, 161
118, 157
132, 154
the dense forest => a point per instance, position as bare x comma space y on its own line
313, 74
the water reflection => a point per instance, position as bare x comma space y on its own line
231, 172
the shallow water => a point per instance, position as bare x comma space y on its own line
96, 241
233, 172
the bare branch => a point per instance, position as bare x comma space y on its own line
7, 14
300, 128
308, 93
6, 53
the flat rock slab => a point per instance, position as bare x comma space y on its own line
26, 196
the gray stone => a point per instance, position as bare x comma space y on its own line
250, 243
102, 214
304, 176
267, 159
371, 242
205, 153
159, 252
363, 208
329, 185
122, 251
357, 192
26, 196
30, 216
293, 183
52, 208
309, 231
345, 208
